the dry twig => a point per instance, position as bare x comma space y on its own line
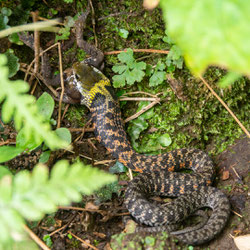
93, 21
149, 106
62, 86
83, 241
34, 237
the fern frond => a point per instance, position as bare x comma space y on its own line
31, 195
22, 108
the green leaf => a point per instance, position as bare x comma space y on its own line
65, 33
64, 134
6, 11
130, 72
210, 32
165, 140
119, 81
119, 68
127, 57
14, 38
12, 63
9, 152
123, 33
4, 171
174, 57
45, 105
157, 78
21, 106
44, 157
25, 143
47, 239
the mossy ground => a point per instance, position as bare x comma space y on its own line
199, 120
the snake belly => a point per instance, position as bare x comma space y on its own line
158, 172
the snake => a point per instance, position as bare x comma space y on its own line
158, 174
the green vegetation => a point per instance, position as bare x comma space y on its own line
130, 71
30, 195
221, 40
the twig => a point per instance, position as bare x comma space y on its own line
36, 51
149, 106
236, 172
65, 111
151, 99
83, 241
81, 129
39, 76
7, 142
58, 230
33, 236
104, 162
63, 227
92, 144
80, 209
41, 53
130, 174
89, 158
122, 214
36, 42
62, 86
34, 87
93, 21
138, 50
140, 92
237, 213
226, 107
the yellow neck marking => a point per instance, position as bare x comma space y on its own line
99, 87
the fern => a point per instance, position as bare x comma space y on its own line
20, 106
31, 195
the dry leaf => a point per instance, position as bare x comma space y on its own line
242, 242
225, 175
91, 206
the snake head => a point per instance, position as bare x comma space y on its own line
82, 80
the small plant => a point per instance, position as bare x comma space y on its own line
123, 33
158, 74
65, 31
130, 71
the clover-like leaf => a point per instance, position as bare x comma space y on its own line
129, 72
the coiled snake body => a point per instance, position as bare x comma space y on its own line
90, 87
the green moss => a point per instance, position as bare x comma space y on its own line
77, 115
